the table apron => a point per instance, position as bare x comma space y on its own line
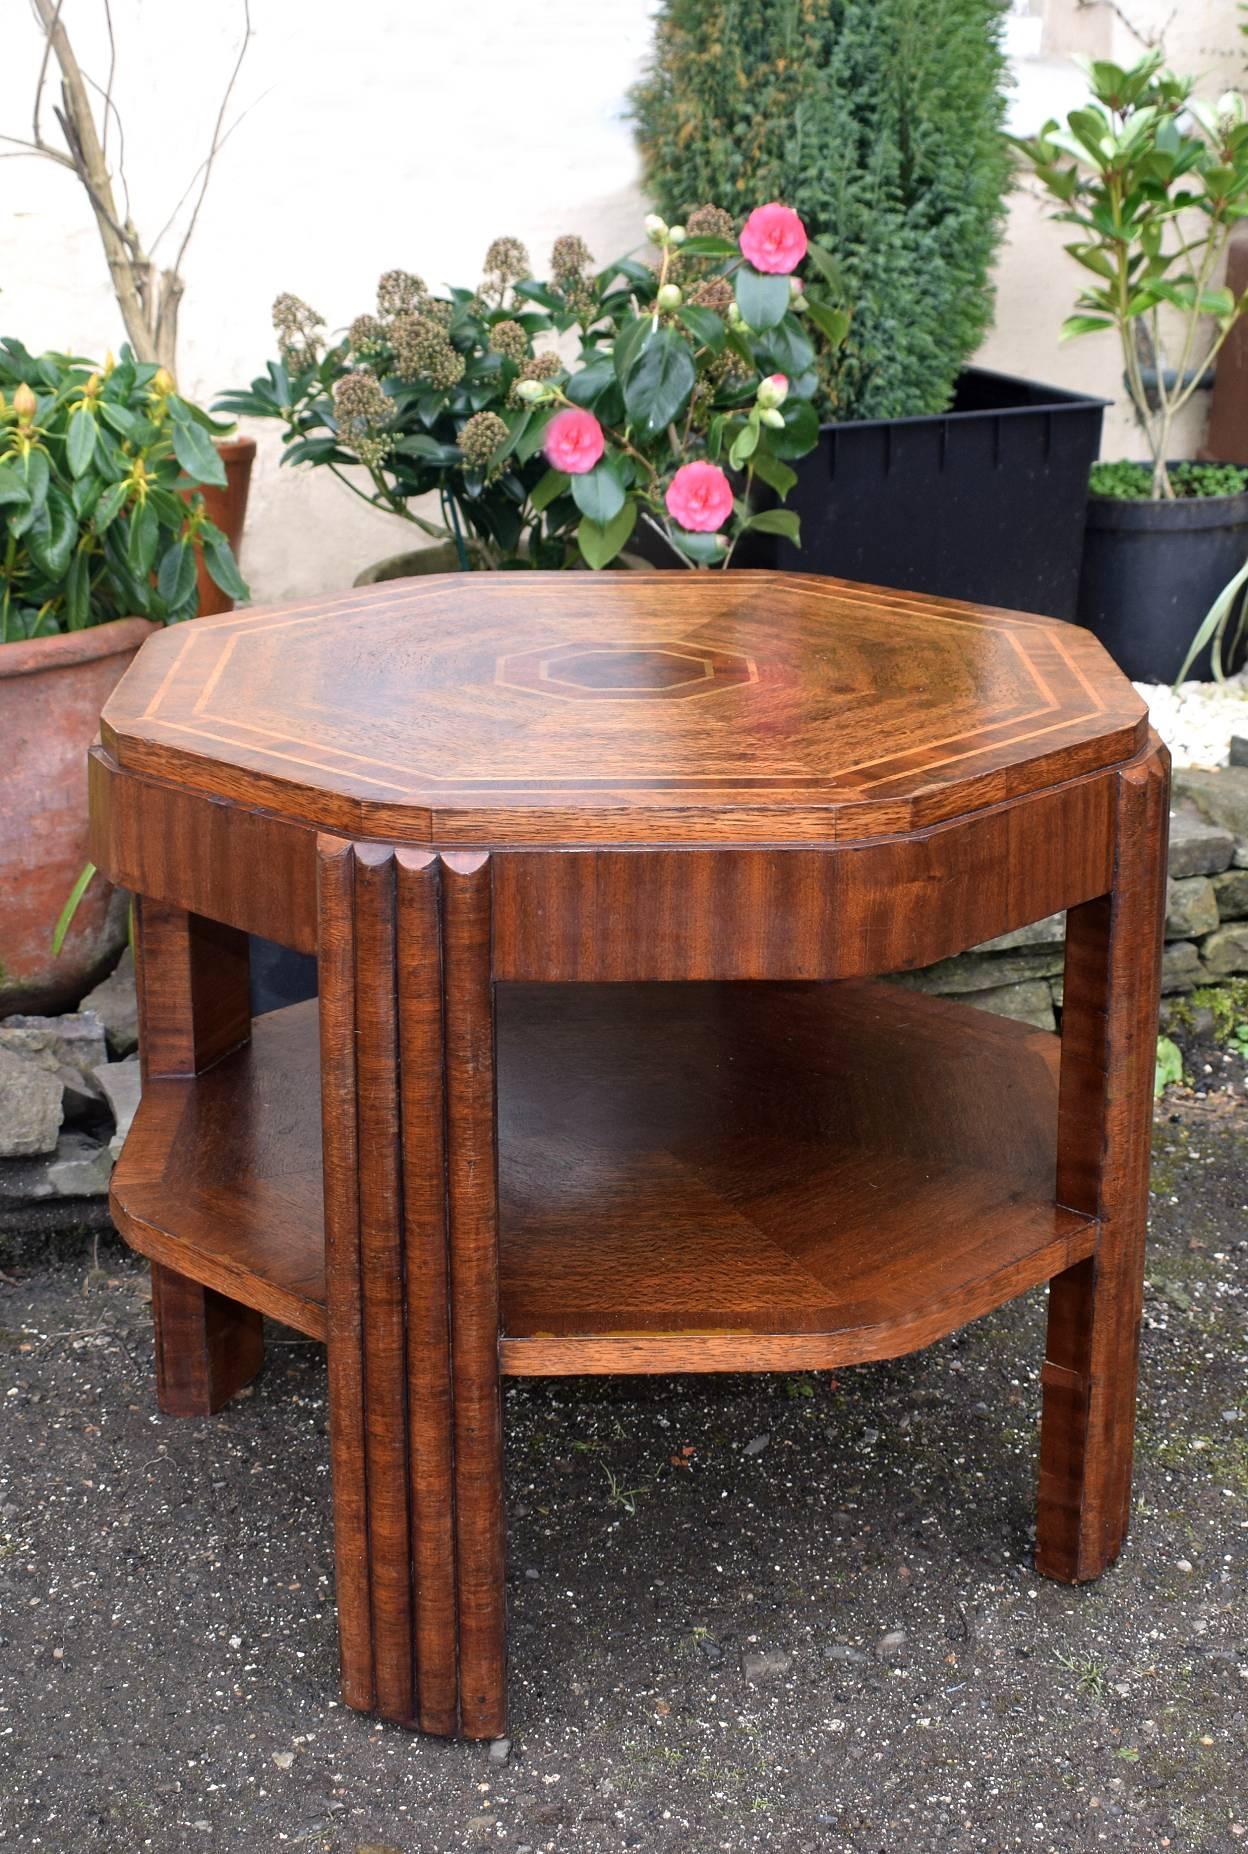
587, 914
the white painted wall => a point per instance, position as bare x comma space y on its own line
403, 132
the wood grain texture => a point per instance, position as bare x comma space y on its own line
429, 1393
342, 1314
1109, 1028
207, 1346
547, 708
192, 981
472, 1185
800, 913
693, 1177
243, 867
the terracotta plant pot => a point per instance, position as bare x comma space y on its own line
51, 693
228, 509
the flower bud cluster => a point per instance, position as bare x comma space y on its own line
479, 438
298, 331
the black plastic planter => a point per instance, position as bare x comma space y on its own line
984, 502
1151, 570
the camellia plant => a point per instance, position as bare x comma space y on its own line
1154, 180
99, 519
692, 378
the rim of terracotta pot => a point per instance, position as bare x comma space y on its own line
233, 449
28, 655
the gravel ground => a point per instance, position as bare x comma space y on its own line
771, 1613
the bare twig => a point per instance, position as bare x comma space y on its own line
217, 137
148, 297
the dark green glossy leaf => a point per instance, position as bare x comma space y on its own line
771, 471
175, 579
51, 540
599, 543
658, 384
598, 494
197, 454
109, 506
80, 441
801, 430
776, 521
703, 324
77, 591
222, 566
553, 484
763, 301
142, 540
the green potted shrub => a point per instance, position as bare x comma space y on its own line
880, 122
1154, 180
101, 520
695, 368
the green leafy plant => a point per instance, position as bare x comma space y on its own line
1169, 1069
1129, 481
99, 518
544, 457
880, 122
1223, 627
1153, 179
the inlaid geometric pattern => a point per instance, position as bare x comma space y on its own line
494, 708
586, 670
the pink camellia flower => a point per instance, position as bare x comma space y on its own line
574, 441
699, 497
773, 238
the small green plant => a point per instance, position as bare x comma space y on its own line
1133, 482
618, 1495
1153, 179
1090, 1674
99, 519
1169, 1069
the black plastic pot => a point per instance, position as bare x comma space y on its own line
985, 501
1151, 570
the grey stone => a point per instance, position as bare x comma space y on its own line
122, 1084
892, 1646
756, 1445
1231, 890
765, 1664
1191, 908
980, 971
500, 1750
841, 1651
81, 1168
116, 1005
1196, 846
1220, 795
1239, 750
1226, 951
1051, 931
30, 1107
83, 1097
1181, 969
75, 1039
1028, 1003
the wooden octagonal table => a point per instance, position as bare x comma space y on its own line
604, 875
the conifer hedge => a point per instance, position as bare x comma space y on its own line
880, 122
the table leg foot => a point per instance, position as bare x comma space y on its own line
1109, 1032
207, 1347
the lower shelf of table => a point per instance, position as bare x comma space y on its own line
691, 1177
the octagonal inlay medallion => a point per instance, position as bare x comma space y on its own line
625, 671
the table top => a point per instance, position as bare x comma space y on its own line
696, 707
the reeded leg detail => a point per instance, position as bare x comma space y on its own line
194, 1008
1109, 1030
412, 1286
